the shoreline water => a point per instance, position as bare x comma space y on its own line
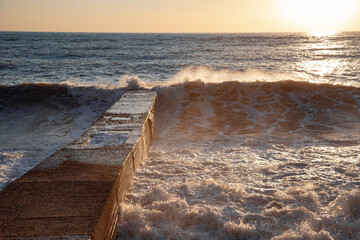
224, 166
226, 104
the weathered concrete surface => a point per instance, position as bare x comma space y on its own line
76, 192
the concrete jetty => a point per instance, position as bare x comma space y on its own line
76, 192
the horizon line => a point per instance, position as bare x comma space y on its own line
255, 32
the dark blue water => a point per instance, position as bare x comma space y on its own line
98, 58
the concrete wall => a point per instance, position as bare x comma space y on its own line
76, 192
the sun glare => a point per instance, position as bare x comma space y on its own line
320, 34
315, 15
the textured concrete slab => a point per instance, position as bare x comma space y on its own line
76, 192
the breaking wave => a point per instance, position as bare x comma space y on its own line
249, 160
202, 110
232, 159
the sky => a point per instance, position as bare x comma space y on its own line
179, 15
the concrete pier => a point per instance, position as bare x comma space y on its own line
75, 193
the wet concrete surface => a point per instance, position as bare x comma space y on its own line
75, 193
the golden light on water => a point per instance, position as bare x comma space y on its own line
322, 62
315, 15
322, 33
324, 67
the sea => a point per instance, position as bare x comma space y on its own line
257, 135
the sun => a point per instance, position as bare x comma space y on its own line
319, 15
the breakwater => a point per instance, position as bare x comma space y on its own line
76, 192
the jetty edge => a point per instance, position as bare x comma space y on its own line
76, 192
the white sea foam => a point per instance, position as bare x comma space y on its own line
222, 190
248, 159
260, 160
232, 159
209, 75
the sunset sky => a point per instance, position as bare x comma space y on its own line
179, 15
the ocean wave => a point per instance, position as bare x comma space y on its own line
197, 103
220, 190
66, 94
209, 109
209, 102
248, 160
